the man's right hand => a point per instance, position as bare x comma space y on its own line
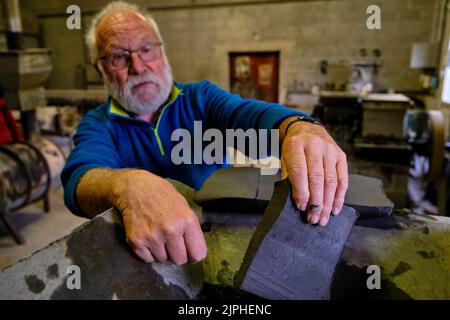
159, 223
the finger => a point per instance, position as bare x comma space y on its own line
157, 248
284, 173
330, 185
176, 250
137, 243
144, 254
342, 186
297, 170
315, 183
195, 243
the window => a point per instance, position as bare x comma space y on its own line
446, 85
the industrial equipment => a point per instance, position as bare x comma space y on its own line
27, 172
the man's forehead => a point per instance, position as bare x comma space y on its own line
122, 16
118, 25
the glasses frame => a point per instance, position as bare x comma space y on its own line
129, 54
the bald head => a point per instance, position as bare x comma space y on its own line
115, 14
122, 28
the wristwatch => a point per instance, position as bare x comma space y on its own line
299, 119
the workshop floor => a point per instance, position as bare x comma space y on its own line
38, 228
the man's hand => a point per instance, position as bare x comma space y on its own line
158, 221
317, 170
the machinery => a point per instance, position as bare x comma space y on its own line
424, 132
23, 72
22, 76
389, 137
369, 129
25, 178
28, 168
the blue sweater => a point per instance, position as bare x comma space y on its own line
108, 137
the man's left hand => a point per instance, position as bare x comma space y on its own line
317, 169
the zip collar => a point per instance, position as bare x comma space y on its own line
116, 110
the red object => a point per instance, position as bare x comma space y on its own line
9, 131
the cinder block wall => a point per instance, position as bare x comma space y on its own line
304, 32
198, 38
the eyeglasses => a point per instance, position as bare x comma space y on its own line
122, 59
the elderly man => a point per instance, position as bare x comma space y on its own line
122, 148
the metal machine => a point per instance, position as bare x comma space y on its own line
23, 72
27, 168
369, 128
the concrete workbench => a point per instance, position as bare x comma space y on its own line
413, 253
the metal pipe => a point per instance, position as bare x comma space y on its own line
11, 15
13, 24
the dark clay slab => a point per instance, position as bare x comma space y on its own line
366, 195
290, 259
236, 189
246, 190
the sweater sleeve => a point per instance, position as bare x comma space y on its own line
94, 148
225, 110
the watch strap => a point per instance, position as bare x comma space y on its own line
300, 119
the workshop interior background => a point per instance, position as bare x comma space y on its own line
384, 94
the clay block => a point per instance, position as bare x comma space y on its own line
366, 195
236, 189
107, 269
246, 190
290, 259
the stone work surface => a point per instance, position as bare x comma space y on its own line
412, 252
107, 268
227, 235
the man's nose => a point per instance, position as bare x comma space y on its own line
137, 66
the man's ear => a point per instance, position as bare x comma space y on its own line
95, 65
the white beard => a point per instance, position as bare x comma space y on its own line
131, 102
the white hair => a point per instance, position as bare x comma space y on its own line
91, 40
